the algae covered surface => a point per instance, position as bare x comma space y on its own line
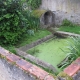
51, 51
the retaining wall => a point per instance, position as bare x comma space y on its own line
13, 67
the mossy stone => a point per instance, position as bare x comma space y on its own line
64, 76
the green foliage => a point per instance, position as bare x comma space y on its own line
11, 49
32, 22
34, 3
67, 23
74, 47
12, 21
31, 38
75, 29
73, 51
68, 26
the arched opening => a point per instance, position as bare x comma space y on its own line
48, 18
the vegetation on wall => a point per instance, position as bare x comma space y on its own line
34, 3
63, 76
38, 13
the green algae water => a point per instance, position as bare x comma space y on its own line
51, 51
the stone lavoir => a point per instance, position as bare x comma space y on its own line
12, 67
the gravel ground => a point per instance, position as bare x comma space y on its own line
11, 72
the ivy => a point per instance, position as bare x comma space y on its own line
34, 3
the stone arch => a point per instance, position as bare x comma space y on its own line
47, 19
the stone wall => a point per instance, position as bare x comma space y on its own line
47, 19
69, 6
69, 9
60, 16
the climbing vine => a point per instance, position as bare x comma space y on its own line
34, 3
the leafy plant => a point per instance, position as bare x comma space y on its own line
11, 49
12, 21
32, 22
73, 51
68, 26
30, 32
34, 3
67, 23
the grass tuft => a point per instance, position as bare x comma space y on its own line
68, 26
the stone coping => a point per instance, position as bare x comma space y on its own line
25, 65
65, 34
73, 68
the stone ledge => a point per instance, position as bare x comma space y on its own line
4, 52
26, 66
65, 34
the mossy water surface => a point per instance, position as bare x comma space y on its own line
51, 51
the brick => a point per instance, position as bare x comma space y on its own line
4, 52
38, 72
24, 65
72, 69
12, 58
49, 77
77, 61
